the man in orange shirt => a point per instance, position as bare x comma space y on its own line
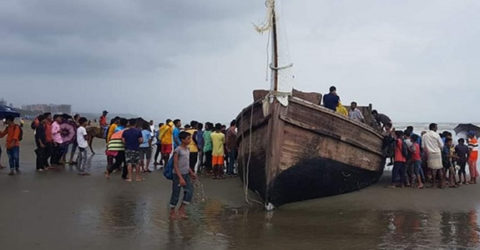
13, 144
473, 157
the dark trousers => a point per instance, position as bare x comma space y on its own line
193, 160
48, 153
41, 157
176, 188
232, 156
157, 152
462, 168
56, 155
208, 161
398, 172
119, 160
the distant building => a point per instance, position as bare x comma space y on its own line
3, 102
53, 108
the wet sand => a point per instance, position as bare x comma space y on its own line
61, 210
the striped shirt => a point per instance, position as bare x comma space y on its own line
116, 143
473, 146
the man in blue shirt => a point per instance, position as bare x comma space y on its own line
331, 99
176, 132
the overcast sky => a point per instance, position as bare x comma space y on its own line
413, 60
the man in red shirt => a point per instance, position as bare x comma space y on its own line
103, 119
398, 171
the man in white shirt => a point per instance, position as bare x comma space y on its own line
432, 145
355, 114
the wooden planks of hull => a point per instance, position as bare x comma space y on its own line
309, 141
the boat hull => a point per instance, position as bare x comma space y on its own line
315, 178
302, 151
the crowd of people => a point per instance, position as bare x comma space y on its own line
431, 157
418, 159
131, 142
129, 145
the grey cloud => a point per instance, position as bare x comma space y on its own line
96, 36
201, 59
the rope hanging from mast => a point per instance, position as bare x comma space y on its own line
268, 23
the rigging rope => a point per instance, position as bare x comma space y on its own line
247, 166
267, 24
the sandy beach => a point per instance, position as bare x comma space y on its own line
60, 210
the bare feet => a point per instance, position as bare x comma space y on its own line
181, 212
173, 216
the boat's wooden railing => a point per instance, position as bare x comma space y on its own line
332, 113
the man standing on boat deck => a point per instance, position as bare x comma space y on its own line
355, 114
432, 145
331, 99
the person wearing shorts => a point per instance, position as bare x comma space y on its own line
165, 135
218, 142
132, 138
132, 157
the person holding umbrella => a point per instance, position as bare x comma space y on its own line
13, 133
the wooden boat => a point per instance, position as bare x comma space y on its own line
295, 149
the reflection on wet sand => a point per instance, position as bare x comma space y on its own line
111, 214
213, 225
120, 216
408, 229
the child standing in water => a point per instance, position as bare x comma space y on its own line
182, 176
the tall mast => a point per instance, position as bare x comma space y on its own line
275, 49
